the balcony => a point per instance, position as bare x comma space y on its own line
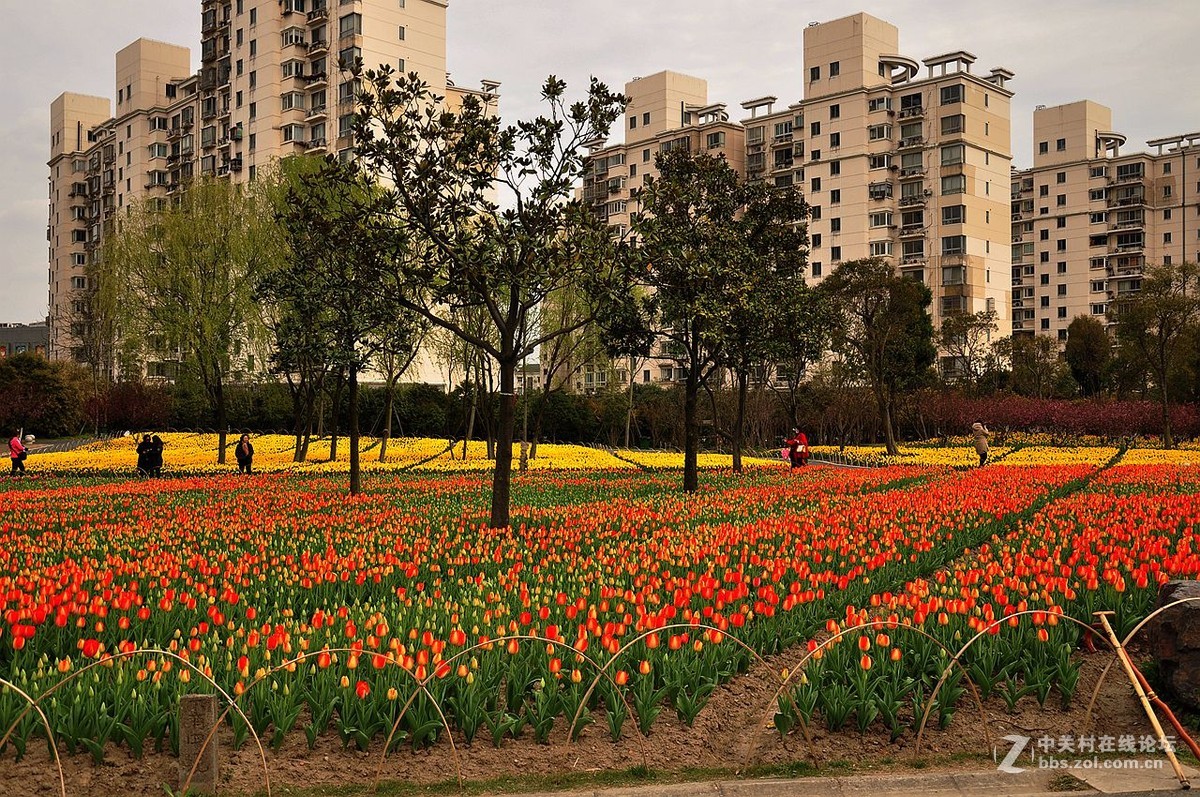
317, 144
912, 113
911, 172
316, 114
235, 165
912, 231
318, 15
878, 191
1129, 225
781, 139
318, 47
316, 80
913, 260
909, 201
223, 170
911, 142
1130, 178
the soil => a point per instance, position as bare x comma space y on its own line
731, 733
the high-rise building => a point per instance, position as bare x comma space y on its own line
1087, 220
269, 85
895, 164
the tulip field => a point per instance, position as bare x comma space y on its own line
614, 601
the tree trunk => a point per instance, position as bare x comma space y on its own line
222, 419
739, 419
298, 421
355, 472
539, 418
502, 478
335, 421
1168, 438
691, 431
471, 418
885, 417
629, 409
389, 409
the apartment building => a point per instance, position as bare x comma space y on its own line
1087, 219
896, 164
269, 86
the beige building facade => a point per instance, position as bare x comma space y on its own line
898, 159
269, 86
1087, 219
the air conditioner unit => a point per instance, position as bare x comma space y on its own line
928, 192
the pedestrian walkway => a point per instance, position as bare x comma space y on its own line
1033, 783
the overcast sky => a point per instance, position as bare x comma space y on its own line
1139, 57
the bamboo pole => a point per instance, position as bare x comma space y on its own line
1141, 693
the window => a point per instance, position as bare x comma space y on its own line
835, 69
816, 184
240, 67
646, 119
633, 122
954, 154
879, 104
253, 114
645, 156
1043, 190
253, 46
835, 111
1062, 312
291, 101
1098, 171
910, 104
1043, 257
881, 249
954, 214
348, 56
881, 218
1061, 145
253, 15
953, 124
158, 123
954, 245
783, 130
835, 225
1044, 235
815, 240
952, 94
814, 73
400, 33
1060, 178
815, 155
816, 268
292, 133
350, 25
814, 129
1062, 245
954, 275
912, 163
835, 168
814, 212
158, 150
1043, 147
253, 138
1097, 218
954, 184
253, 79
835, 253
239, 36
715, 140
835, 196
879, 161
1061, 200
1096, 195
911, 133
346, 124
755, 135
879, 132
292, 68
1166, 237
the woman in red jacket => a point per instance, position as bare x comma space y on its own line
797, 448
17, 452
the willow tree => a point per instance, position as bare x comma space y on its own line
177, 279
490, 208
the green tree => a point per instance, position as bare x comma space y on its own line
489, 214
717, 255
178, 278
349, 262
882, 325
42, 397
1156, 323
1034, 361
1088, 353
966, 340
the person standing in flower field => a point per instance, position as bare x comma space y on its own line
980, 433
145, 451
245, 455
17, 453
156, 457
797, 448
